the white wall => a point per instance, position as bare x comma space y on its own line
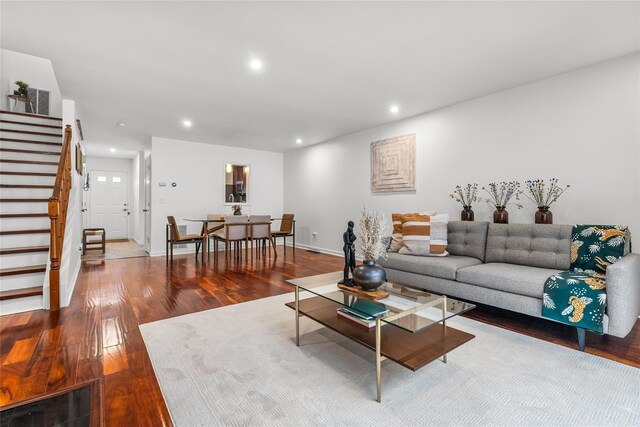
116, 164
198, 170
582, 127
37, 72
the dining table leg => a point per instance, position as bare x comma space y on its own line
204, 249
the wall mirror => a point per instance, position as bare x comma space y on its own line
236, 183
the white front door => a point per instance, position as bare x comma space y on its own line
109, 203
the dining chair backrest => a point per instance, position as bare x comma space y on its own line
236, 226
286, 225
260, 226
212, 225
175, 231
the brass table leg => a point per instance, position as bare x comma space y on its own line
297, 316
378, 359
444, 321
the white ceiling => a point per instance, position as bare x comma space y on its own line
331, 68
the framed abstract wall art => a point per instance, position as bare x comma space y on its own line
393, 164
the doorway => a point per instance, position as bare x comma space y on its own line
109, 203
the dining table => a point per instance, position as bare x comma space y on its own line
205, 230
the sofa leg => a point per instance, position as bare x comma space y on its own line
582, 332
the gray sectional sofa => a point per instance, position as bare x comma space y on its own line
506, 266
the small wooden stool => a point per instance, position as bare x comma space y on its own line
93, 232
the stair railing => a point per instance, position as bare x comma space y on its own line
58, 204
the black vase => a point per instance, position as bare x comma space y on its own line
369, 276
543, 215
500, 215
237, 212
467, 214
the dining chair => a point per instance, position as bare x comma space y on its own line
260, 232
235, 231
174, 237
213, 226
287, 228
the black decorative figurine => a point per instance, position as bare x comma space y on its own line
349, 249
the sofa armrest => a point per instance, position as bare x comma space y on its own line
623, 294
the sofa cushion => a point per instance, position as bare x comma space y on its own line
396, 237
516, 279
535, 245
467, 238
396, 233
424, 235
442, 267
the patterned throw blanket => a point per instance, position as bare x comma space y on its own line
579, 297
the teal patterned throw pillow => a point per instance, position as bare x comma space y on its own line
594, 247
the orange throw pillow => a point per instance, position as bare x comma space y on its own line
396, 234
424, 235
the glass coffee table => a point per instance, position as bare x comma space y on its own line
412, 333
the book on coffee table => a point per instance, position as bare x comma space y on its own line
367, 310
357, 319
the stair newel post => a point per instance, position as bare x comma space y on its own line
54, 253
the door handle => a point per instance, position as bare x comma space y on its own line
83, 210
145, 210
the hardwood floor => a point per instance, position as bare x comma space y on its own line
97, 336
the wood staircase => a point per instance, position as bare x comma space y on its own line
30, 149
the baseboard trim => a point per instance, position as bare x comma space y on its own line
221, 249
318, 249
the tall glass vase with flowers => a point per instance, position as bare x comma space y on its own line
500, 195
543, 195
466, 196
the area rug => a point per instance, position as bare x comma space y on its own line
239, 365
116, 250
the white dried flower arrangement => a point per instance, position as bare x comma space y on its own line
372, 230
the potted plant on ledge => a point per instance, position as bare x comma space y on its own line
22, 88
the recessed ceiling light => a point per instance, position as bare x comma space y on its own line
256, 64
394, 109
113, 150
186, 123
122, 124
298, 141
